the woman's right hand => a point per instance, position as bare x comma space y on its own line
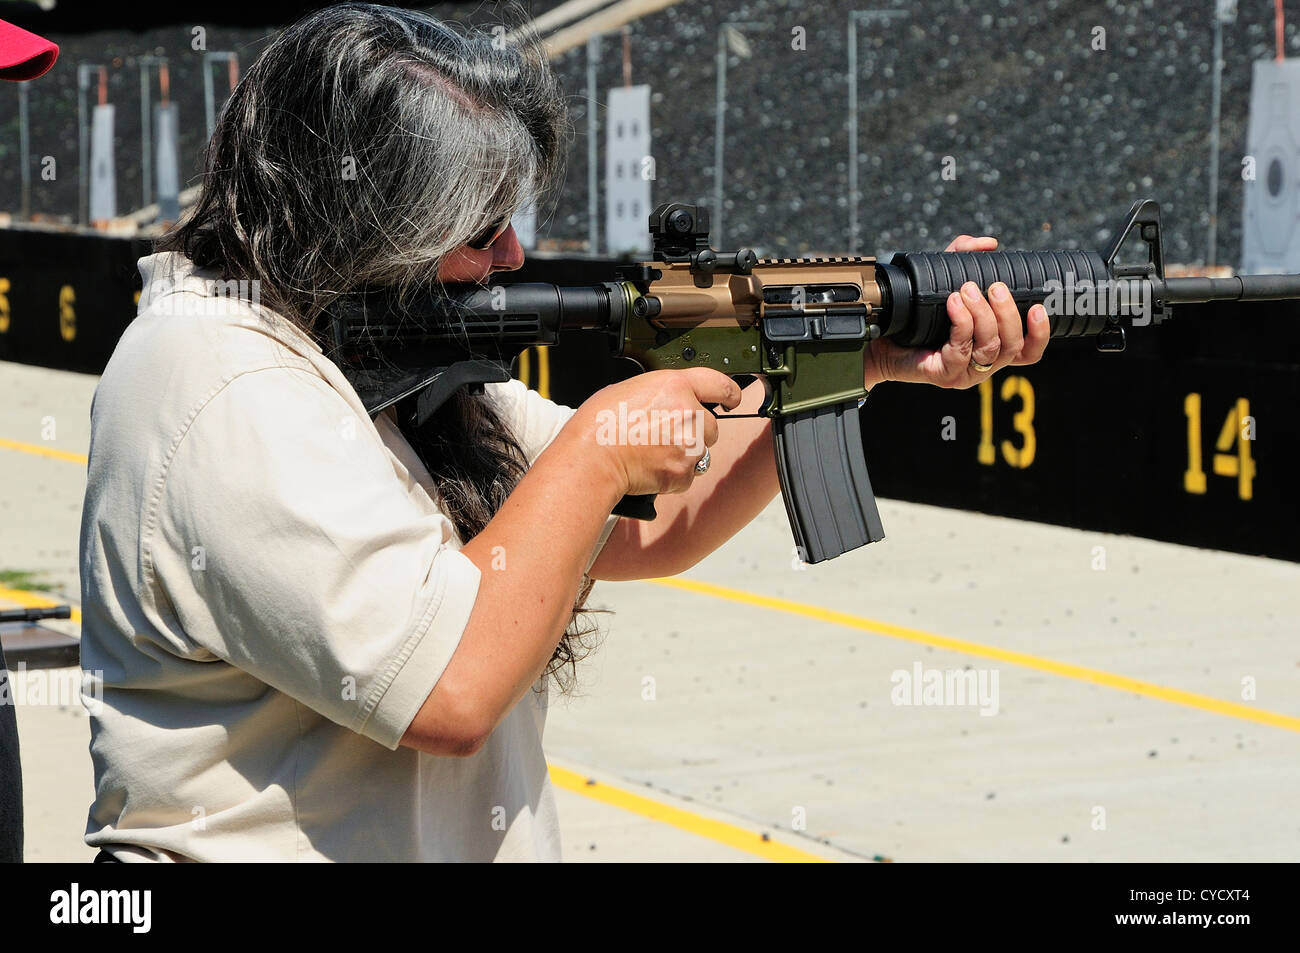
652, 429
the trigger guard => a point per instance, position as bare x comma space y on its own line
769, 392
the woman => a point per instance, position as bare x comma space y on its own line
318, 633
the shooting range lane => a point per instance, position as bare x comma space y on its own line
782, 717
757, 717
931, 640
44, 437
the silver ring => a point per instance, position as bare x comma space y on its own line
702, 465
980, 367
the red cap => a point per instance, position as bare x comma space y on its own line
24, 55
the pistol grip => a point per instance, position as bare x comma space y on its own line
637, 506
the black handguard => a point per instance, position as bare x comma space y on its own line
1119, 294
1029, 275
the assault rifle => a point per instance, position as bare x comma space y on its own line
801, 324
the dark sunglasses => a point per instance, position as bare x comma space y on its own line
488, 237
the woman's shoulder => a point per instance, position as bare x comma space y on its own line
195, 333
173, 287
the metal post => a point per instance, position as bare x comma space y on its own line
719, 134
1225, 11
167, 123
209, 96
853, 134
146, 130
1217, 73
854, 17
720, 119
24, 147
83, 142
593, 57
208, 105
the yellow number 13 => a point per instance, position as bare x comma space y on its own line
1019, 457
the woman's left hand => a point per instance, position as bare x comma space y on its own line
984, 331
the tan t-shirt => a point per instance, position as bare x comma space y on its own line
271, 592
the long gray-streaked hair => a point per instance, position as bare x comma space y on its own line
363, 146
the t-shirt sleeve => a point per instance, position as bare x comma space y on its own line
536, 421
288, 546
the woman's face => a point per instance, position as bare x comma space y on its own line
467, 264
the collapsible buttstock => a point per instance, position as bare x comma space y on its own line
824, 482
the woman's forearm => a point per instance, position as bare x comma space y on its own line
531, 557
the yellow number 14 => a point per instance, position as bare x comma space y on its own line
1239, 428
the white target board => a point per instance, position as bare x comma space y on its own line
103, 181
629, 170
166, 165
1270, 240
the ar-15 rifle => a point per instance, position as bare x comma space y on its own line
802, 324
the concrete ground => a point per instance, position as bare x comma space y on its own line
1141, 700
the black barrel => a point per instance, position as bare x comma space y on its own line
1234, 288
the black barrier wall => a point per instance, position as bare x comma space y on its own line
1190, 436
65, 299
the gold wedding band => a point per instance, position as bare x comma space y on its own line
980, 367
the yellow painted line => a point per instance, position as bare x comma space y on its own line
24, 598
37, 450
737, 837
28, 600
1078, 672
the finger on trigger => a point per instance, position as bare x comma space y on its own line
737, 395
713, 387
711, 432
